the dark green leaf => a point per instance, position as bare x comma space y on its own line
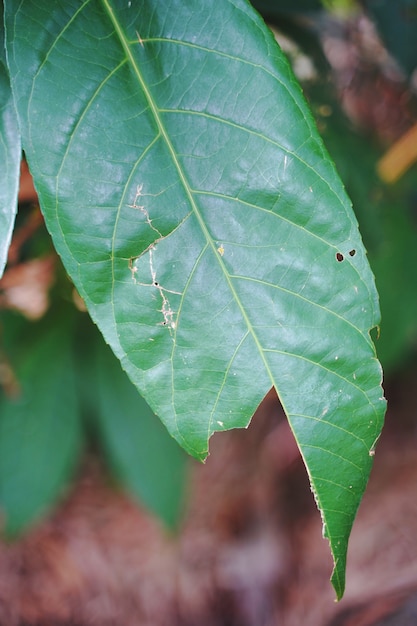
397, 24
10, 152
275, 8
194, 205
394, 264
143, 456
385, 214
39, 427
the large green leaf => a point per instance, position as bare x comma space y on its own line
194, 205
10, 153
40, 431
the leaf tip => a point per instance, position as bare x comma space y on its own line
338, 583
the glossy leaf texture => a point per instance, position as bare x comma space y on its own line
195, 207
40, 428
10, 154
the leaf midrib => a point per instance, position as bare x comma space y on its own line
231, 57
187, 188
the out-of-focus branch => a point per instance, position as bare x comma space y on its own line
400, 157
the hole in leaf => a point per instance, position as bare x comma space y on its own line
352, 252
339, 256
375, 333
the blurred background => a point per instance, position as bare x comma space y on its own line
105, 520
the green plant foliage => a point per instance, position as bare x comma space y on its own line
387, 223
194, 205
389, 231
146, 460
67, 387
397, 24
40, 433
393, 262
276, 8
10, 152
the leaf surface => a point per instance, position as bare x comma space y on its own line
197, 210
10, 153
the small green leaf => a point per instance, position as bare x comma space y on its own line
196, 208
39, 427
147, 461
10, 153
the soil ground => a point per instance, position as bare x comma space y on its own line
249, 551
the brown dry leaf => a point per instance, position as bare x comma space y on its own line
25, 287
27, 191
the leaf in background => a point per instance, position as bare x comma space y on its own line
10, 154
276, 8
194, 205
40, 432
397, 24
394, 264
146, 460
385, 214
143, 457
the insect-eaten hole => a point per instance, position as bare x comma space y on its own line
352, 252
339, 257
